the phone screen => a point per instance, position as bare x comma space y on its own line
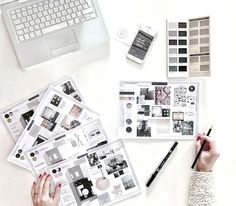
141, 45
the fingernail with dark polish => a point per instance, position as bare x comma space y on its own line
59, 185
40, 176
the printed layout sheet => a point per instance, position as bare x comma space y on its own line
56, 114
17, 116
73, 143
162, 110
102, 176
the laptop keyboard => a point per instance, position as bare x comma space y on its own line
37, 19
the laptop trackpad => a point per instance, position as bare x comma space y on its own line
62, 42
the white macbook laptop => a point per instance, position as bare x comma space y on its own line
44, 29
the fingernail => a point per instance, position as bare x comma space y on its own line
48, 175
59, 185
40, 176
34, 183
44, 173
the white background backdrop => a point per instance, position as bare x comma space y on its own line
97, 74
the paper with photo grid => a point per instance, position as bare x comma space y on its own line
158, 110
103, 176
17, 116
60, 148
56, 114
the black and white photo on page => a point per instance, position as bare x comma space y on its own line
102, 176
57, 113
17, 116
80, 140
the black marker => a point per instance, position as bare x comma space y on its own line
200, 151
161, 165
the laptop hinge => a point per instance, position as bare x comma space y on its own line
2, 2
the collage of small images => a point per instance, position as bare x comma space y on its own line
51, 116
100, 177
59, 134
17, 116
78, 141
188, 47
56, 114
158, 109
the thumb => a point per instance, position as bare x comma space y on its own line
56, 197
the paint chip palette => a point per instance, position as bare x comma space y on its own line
188, 47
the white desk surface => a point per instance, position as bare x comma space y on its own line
97, 75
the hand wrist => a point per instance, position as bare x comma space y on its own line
203, 168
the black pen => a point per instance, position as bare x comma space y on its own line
200, 151
161, 165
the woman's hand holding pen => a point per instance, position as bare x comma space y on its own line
209, 154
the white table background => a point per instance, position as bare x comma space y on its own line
97, 74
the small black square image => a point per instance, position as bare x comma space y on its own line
77, 97
173, 42
182, 42
183, 60
182, 50
182, 68
84, 188
182, 25
116, 174
165, 112
143, 129
39, 140
182, 33
93, 159
68, 88
121, 172
27, 116
56, 100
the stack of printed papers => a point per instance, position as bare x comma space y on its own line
55, 132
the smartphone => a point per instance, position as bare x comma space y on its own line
141, 44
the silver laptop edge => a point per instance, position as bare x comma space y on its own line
51, 44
